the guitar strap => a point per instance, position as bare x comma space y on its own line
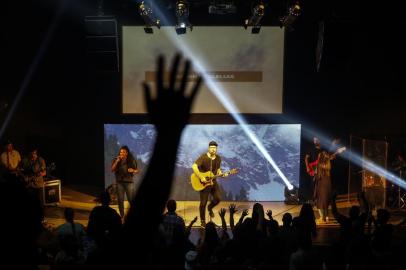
211, 165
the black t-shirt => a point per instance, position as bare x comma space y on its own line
121, 172
313, 153
205, 164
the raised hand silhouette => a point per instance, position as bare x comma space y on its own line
170, 109
233, 209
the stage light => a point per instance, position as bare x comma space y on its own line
291, 195
182, 17
148, 17
222, 7
294, 12
257, 13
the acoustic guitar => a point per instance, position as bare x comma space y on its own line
199, 185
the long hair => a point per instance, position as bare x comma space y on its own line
306, 212
324, 164
258, 216
130, 157
305, 226
211, 238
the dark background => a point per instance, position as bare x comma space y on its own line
358, 90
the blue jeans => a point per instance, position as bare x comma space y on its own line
127, 188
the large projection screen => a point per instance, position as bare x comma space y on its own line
246, 68
256, 180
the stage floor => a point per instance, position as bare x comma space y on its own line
83, 199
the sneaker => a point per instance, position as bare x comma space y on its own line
211, 214
320, 221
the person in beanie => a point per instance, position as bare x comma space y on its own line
208, 162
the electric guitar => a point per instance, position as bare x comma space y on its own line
312, 165
199, 185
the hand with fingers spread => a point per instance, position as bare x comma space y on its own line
244, 213
269, 214
233, 209
170, 110
222, 212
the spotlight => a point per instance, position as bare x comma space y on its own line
257, 13
148, 17
294, 12
182, 17
291, 196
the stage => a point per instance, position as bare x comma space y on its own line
84, 198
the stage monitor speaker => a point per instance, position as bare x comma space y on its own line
52, 192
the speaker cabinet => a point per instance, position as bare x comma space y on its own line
52, 192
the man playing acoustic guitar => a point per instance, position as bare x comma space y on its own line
208, 163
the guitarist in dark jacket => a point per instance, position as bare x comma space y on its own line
208, 162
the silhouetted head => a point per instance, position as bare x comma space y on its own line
69, 214
354, 212
105, 198
210, 234
171, 205
287, 220
306, 212
257, 212
257, 208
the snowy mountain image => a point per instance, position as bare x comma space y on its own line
256, 179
